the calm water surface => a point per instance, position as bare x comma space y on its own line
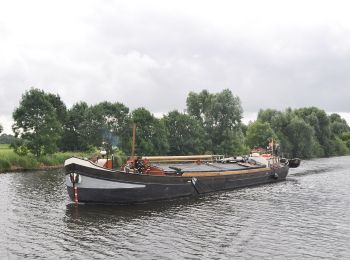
307, 216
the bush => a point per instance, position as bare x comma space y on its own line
4, 165
119, 158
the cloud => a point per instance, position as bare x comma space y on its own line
152, 54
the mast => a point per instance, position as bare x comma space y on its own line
272, 146
133, 141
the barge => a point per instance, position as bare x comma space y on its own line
144, 179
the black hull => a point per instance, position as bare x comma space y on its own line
99, 185
294, 163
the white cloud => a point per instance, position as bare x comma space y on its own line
270, 53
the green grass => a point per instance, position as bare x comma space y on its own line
9, 160
4, 147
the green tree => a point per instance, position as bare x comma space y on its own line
78, 131
325, 139
320, 123
91, 126
338, 124
7, 139
1, 128
258, 134
151, 134
37, 121
185, 134
303, 134
279, 121
112, 122
198, 105
345, 137
220, 115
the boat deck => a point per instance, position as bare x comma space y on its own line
205, 167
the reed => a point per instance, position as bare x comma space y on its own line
10, 161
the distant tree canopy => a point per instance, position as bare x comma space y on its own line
220, 115
186, 134
259, 134
91, 125
307, 132
7, 139
151, 134
212, 125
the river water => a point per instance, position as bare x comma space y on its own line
307, 216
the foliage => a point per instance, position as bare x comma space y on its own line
345, 137
104, 122
338, 124
259, 134
112, 122
220, 115
7, 139
211, 125
308, 132
185, 134
38, 121
303, 135
9, 160
19, 147
151, 134
1, 128
78, 128
341, 147
119, 158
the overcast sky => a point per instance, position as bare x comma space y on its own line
272, 54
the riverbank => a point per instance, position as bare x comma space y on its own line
10, 161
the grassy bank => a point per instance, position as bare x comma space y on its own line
10, 161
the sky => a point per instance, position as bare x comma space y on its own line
271, 54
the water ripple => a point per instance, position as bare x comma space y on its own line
305, 217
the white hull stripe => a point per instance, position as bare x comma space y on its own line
84, 163
93, 183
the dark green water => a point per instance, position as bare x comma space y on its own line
307, 216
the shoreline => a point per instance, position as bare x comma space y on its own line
41, 168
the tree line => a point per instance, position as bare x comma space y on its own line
212, 124
304, 132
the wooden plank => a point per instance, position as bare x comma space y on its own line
181, 158
207, 174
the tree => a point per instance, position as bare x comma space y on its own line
185, 134
345, 137
338, 124
303, 134
151, 135
1, 128
91, 126
198, 105
279, 121
220, 115
112, 121
38, 121
77, 128
320, 123
7, 139
258, 134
